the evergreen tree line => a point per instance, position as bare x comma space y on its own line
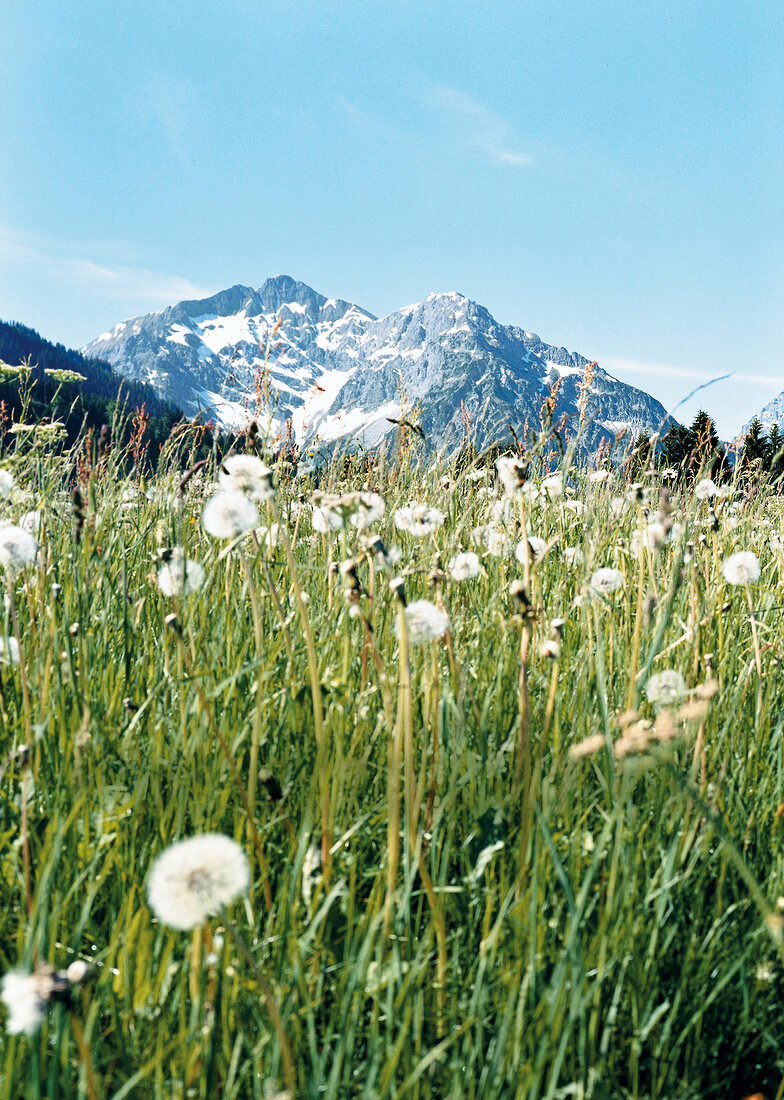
79, 406
695, 450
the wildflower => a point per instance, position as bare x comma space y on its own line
418, 519
64, 375
511, 473
705, 489
665, 687
425, 622
194, 879
573, 555
463, 567
246, 474
606, 580
550, 648
9, 651
179, 576
598, 476
18, 548
553, 486
575, 506
588, 747
6, 484
742, 568
229, 514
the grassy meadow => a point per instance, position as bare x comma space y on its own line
491, 851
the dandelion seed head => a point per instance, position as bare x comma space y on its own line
6, 484
371, 508
598, 476
9, 651
605, 581
195, 878
705, 489
465, 566
665, 687
741, 568
18, 549
229, 514
425, 622
418, 519
536, 547
246, 474
553, 486
511, 473
23, 997
179, 576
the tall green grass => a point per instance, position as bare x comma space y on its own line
556, 926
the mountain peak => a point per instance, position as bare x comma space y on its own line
336, 372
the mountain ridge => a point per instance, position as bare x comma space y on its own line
317, 368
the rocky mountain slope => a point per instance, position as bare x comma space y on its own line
325, 369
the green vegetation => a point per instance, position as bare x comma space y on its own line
503, 863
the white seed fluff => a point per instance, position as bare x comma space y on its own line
742, 568
606, 580
6, 484
418, 519
246, 474
229, 514
665, 687
194, 879
425, 622
179, 576
465, 566
18, 548
9, 651
23, 997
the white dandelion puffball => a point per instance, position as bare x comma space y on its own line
598, 476
464, 567
425, 622
196, 878
705, 489
537, 548
179, 576
246, 474
31, 522
6, 484
229, 514
326, 519
9, 651
665, 687
371, 508
18, 549
605, 581
23, 996
553, 486
742, 568
495, 541
418, 519
575, 506
573, 555
511, 473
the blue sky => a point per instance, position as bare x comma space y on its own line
606, 174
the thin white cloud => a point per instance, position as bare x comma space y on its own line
481, 128
136, 287
671, 370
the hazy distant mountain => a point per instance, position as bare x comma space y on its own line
322, 368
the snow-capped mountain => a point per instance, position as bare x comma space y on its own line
770, 414
321, 368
